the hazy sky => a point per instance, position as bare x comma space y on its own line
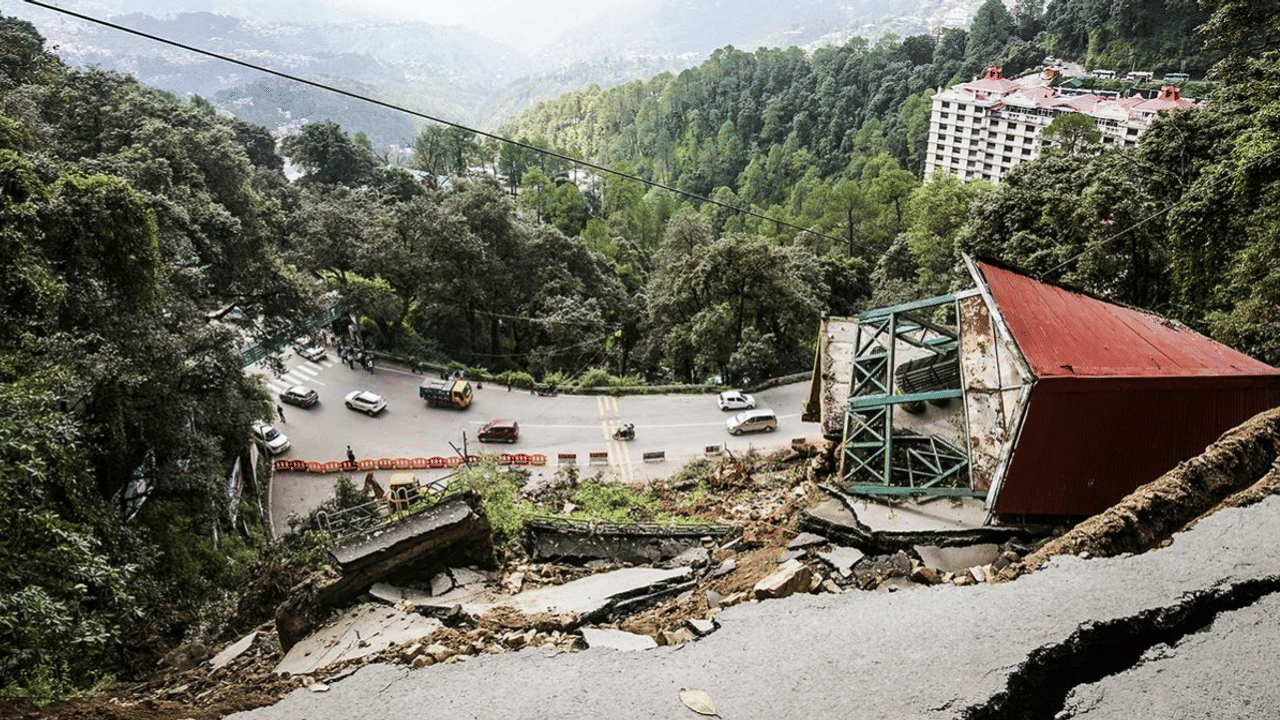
523, 21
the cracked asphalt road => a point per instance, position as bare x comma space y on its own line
1185, 631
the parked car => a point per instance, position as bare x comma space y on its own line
752, 421
275, 441
311, 351
736, 400
365, 401
300, 395
499, 431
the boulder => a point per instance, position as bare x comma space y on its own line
793, 577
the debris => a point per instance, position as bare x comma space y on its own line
362, 631
701, 628
926, 575
789, 579
842, 558
616, 639
806, 540
233, 651
698, 701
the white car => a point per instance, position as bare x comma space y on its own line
275, 441
736, 400
365, 402
314, 353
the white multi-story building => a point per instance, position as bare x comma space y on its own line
983, 128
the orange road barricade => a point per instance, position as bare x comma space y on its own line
332, 466
419, 463
367, 464
315, 467
386, 464
538, 460
520, 459
402, 463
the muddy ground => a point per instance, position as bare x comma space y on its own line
764, 499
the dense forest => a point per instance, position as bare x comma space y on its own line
146, 239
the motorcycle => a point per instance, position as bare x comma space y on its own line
626, 432
547, 390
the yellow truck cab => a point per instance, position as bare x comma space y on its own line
452, 392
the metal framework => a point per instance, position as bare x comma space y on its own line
875, 460
260, 350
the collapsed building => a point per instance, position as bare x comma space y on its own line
1041, 400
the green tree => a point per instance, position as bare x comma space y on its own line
329, 156
1072, 133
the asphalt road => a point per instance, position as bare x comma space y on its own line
679, 426
1187, 631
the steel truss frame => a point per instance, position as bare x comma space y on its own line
873, 460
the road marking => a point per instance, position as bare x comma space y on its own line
307, 369
606, 404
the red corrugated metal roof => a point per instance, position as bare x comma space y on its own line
1068, 334
1119, 398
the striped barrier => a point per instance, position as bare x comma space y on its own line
329, 467
796, 442
655, 455
599, 457
712, 450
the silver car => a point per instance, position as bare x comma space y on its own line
275, 441
752, 421
366, 402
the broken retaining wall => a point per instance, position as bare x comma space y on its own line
454, 532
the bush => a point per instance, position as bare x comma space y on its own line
497, 487
596, 377
518, 379
612, 502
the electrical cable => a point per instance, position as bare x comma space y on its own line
441, 121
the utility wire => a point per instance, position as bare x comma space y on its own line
397, 108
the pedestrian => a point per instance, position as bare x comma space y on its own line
280, 411
351, 456
351, 361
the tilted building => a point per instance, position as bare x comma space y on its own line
1039, 399
982, 129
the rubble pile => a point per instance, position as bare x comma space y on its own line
781, 545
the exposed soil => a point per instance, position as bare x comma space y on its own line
764, 499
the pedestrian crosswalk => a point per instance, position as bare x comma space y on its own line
303, 374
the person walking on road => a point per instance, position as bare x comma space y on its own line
351, 456
280, 411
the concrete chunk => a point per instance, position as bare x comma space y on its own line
616, 639
842, 558
793, 577
806, 540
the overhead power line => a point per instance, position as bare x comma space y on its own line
415, 113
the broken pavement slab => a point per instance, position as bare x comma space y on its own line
233, 651
957, 559
454, 531
361, 631
975, 645
590, 596
616, 639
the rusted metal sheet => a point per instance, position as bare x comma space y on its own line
1064, 333
1085, 444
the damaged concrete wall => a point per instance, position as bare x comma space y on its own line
991, 372
454, 532
1241, 468
636, 543
833, 374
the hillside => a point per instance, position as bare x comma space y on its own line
448, 71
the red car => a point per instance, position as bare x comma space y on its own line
499, 431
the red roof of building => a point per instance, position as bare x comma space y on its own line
1120, 396
1064, 333
994, 81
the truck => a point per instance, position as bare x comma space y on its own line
451, 392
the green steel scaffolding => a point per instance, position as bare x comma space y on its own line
875, 460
